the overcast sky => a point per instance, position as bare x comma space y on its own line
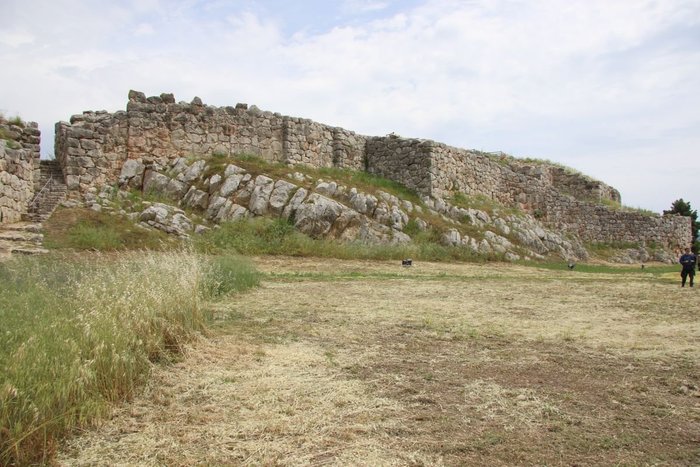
608, 87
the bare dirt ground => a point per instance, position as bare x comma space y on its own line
365, 363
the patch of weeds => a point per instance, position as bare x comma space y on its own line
85, 229
331, 357
153, 196
229, 274
80, 333
263, 236
369, 183
616, 206
10, 141
17, 121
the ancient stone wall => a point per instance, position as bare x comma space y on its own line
569, 182
19, 167
562, 200
407, 161
91, 149
94, 147
162, 130
349, 149
307, 142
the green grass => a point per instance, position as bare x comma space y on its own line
363, 181
608, 250
262, 236
85, 229
615, 206
79, 333
16, 120
11, 142
652, 270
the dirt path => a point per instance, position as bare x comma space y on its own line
359, 363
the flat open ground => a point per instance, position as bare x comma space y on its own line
365, 363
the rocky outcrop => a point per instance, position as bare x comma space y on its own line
326, 209
236, 194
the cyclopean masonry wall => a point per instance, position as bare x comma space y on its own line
564, 201
19, 168
94, 147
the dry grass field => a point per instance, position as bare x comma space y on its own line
366, 363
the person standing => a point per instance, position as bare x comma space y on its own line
688, 261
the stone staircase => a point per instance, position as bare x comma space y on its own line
21, 238
52, 192
25, 237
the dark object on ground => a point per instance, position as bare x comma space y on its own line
407, 262
571, 265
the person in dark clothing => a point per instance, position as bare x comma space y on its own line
688, 261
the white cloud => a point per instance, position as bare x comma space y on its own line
144, 29
597, 84
362, 6
16, 38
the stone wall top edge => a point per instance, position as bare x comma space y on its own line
240, 108
24, 123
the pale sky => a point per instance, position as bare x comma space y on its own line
608, 87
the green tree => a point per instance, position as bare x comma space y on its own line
684, 209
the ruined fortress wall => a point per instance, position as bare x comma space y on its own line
161, 129
471, 172
19, 168
561, 200
307, 142
349, 149
582, 187
91, 149
94, 146
599, 224
406, 161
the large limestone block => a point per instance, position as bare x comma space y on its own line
233, 170
175, 189
196, 198
216, 204
451, 238
231, 184
132, 173
294, 203
167, 218
154, 182
260, 197
280, 196
316, 215
193, 172
363, 203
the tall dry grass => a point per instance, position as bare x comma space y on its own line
78, 334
